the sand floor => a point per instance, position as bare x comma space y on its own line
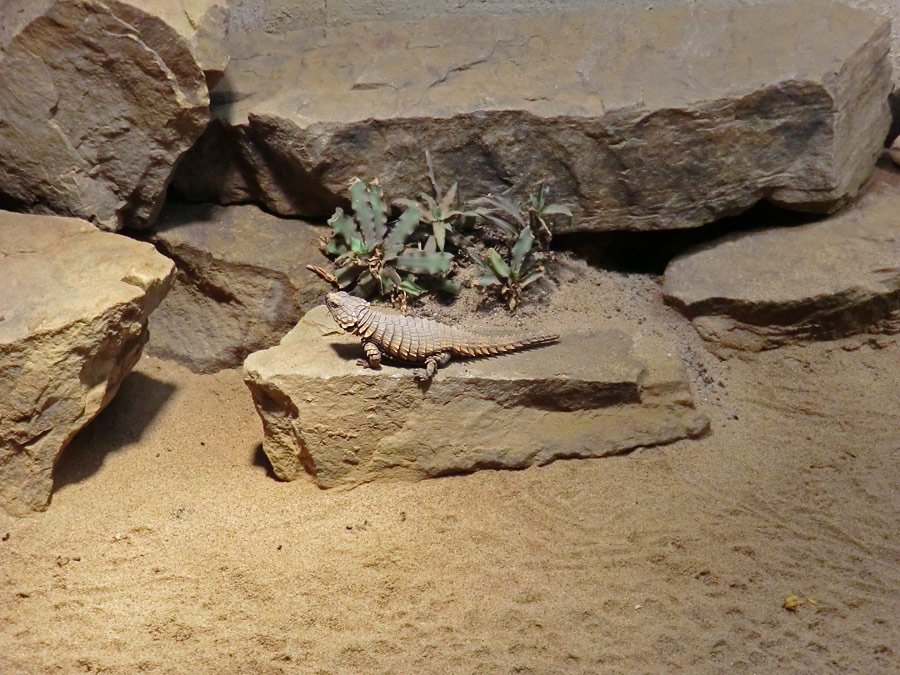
169, 547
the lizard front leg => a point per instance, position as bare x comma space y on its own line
373, 355
432, 363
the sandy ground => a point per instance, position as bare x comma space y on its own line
169, 547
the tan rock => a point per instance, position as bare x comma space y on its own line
98, 101
73, 321
241, 284
594, 394
203, 24
639, 119
829, 279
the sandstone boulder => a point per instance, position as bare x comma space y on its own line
829, 279
639, 119
241, 283
594, 394
73, 321
98, 101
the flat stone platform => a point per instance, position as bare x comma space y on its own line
593, 394
775, 286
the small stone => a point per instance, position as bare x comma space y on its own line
792, 603
591, 395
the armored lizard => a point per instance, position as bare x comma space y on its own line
408, 338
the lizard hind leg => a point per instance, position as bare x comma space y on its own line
432, 363
373, 355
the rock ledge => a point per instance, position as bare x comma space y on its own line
594, 394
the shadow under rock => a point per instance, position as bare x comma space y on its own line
138, 402
262, 461
650, 252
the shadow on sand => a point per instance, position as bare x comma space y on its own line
121, 423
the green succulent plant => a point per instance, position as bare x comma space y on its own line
509, 217
518, 261
438, 210
513, 274
373, 256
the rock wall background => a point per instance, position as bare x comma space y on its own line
277, 16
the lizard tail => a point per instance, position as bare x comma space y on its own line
502, 345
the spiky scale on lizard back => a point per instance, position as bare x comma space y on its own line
418, 340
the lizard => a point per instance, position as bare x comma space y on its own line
416, 340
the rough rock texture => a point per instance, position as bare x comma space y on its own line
640, 120
593, 394
203, 24
73, 321
763, 289
280, 16
241, 283
98, 101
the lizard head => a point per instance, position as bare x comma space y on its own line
345, 308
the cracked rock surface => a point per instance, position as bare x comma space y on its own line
833, 278
98, 101
640, 120
73, 321
241, 282
595, 393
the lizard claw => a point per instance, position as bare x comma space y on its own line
420, 375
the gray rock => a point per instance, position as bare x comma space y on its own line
73, 321
833, 278
594, 394
98, 101
241, 284
639, 119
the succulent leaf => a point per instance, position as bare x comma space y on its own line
396, 239
557, 209
498, 264
520, 250
448, 286
379, 210
422, 262
531, 278
410, 287
358, 247
439, 227
365, 216
343, 225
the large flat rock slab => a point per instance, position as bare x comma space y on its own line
241, 283
639, 119
73, 322
833, 278
594, 394
98, 101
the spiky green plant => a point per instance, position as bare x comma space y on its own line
438, 209
373, 256
511, 275
524, 235
509, 217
